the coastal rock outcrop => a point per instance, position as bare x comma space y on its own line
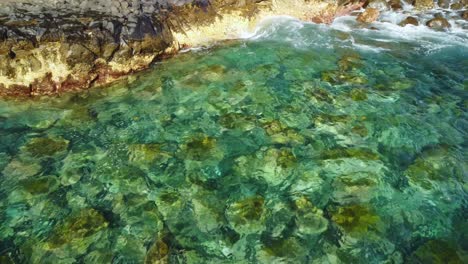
49, 47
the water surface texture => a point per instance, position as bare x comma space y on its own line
301, 144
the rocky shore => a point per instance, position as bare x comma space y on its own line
49, 47
52, 47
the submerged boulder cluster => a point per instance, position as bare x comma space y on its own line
325, 157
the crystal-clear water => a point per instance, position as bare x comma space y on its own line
301, 144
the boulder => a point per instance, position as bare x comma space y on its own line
456, 6
395, 4
464, 15
380, 5
409, 21
369, 15
423, 4
438, 23
443, 3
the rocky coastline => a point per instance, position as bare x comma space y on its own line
51, 47
48, 49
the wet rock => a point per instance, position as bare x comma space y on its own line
464, 15
247, 215
355, 218
423, 4
358, 94
444, 3
309, 219
158, 253
77, 227
199, 148
21, 169
434, 167
436, 251
456, 6
409, 21
368, 16
45, 147
358, 153
395, 5
41, 185
438, 23
380, 5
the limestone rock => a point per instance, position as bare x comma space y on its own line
369, 15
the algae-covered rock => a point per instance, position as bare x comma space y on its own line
355, 218
246, 216
46, 147
309, 219
435, 252
289, 249
76, 227
358, 153
158, 253
75, 166
358, 94
199, 148
40, 185
21, 169
434, 167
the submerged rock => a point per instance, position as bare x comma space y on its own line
369, 15
247, 215
438, 23
46, 147
355, 218
77, 227
436, 251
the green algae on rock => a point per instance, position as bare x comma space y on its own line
242, 153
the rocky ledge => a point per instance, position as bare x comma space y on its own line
53, 46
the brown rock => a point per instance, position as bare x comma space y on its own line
369, 15
456, 6
438, 23
465, 15
423, 4
444, 3
395, 4
409, 21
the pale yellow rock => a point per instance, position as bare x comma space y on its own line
49, 60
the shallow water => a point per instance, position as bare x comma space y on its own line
300, 144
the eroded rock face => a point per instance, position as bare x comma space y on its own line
49, 47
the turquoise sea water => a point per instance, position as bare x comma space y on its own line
301, 144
